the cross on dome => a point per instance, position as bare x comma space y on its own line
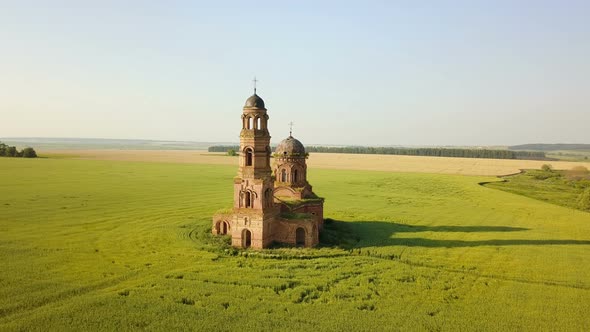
255, 81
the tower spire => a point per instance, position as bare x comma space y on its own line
291, 128
255, 81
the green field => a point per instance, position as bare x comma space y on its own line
575, 155
97, 245
564, 188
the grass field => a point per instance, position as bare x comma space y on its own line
120, 245
563, 188
390, 163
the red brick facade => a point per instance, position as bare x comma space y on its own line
270, 208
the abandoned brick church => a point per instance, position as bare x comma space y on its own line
269, 207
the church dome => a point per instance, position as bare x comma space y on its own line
254, 101
290, 147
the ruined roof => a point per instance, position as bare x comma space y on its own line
254, 101
290, 146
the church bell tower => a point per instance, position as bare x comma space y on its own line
254, 208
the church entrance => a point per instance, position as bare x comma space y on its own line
300, 237
246, 238
224, 228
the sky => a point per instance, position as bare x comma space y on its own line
364, 73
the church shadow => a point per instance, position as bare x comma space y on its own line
360, 234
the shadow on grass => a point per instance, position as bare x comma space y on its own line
359, 234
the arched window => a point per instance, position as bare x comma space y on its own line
248, 199
294, 176
222, 227
258, 123
250, 123
248, 156
284, 175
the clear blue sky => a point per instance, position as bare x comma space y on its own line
365, 72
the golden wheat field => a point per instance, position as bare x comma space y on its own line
418, 164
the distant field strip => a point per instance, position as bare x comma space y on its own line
417, 164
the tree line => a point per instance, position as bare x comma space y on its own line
431, 152
11, 151
551, 147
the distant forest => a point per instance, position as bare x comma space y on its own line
432, 152
551, 147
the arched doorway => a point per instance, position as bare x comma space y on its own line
224, 228
246, 238
300, 237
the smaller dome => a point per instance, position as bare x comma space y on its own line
290, 147
254, 101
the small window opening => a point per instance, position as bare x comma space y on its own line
249, 157
248, 200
